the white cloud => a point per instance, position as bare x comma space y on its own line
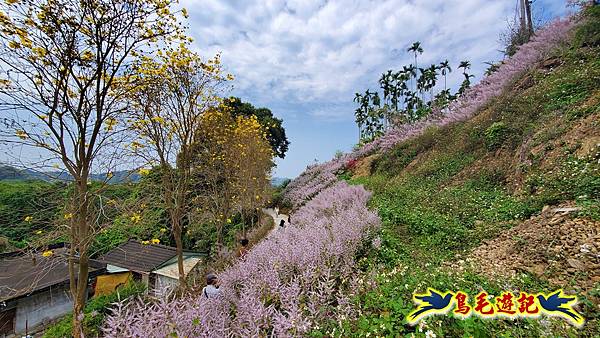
321, 52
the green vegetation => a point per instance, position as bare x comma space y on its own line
95, 311
44, 203
27, 207
276, 133
496, 135
443, 193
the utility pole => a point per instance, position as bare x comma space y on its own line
523, 15
529, 21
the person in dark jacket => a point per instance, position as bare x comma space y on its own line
282, 223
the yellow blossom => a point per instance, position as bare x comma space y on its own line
163, 230
28, 219
47, 253
39, 232
144, 171
145, 242
68, 216
22, 134
136, 218
155, 241
110, 123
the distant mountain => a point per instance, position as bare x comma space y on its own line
8, 172
279, 181
11, 173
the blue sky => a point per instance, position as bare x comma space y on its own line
305, 59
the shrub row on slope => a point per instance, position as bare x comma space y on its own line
293, 279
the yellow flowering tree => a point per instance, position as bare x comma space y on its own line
232, 163
216, 194
62, 93
253, 159
170, 95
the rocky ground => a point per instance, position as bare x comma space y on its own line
556, 246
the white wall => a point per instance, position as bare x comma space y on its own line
42, 307
164, 285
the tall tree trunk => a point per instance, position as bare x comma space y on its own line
81, 241
444, 82
177, 230
172, 201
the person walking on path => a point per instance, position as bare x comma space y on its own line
211, 289
282, 223
276, 211
244, 249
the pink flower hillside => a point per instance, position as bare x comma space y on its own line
317, 177
295, 278
526, 58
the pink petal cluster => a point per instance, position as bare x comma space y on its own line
314, 179
297, 277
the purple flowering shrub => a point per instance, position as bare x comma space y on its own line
526, 58
313, 180
302, 275
541, 45
299, 276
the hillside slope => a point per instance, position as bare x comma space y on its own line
506, 200
489, 172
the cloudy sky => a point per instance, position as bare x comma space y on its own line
305, 59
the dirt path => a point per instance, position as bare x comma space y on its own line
276, 218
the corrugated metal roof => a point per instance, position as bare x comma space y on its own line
172, 270
21, 274
139, 257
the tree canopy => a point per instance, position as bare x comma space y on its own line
273, 126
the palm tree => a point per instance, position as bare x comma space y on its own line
432, 76
466, 84
360, 112
446, 69
422, 81
465, 65
385, 83
416, 48
411, 71
493, 67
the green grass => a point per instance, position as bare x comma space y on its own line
437, 202
424, 225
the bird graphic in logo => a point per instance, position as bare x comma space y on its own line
558, 304
432, 302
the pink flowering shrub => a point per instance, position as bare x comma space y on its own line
299, 276
310, 183
541, 45
526, 58
302, 275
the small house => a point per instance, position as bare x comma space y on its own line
34, 289
153, 264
